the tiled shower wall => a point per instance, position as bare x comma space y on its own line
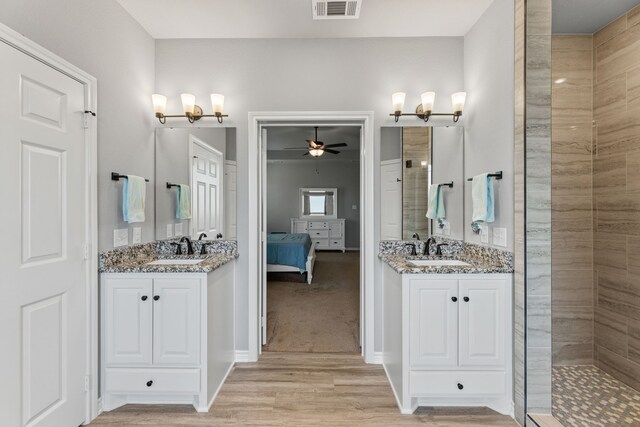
572, 200
416, 147
616, 181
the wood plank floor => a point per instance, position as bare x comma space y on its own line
302, 389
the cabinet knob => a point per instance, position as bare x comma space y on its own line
454, 299
144, 297
156, 297
466, 299
150, 383
460, 386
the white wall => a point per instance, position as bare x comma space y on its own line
101, 38
489, 122
305, 75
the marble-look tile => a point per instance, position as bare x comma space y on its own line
619, 294
633, 17
572, 288
538, 14
609, 174
610, 330
633, 341
607, 33
610, 96
619, 134
619, 54
619, 213
539, 379
571, 43
572, 137
610, 254
619, 367
539, 321
572, 250
571, 174
633, 257
633, 172
572, 323
572, 353
571, 208
633, 89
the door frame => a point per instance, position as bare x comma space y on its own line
32, 49
364, 119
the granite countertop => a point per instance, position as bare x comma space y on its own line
401, 264
140, 264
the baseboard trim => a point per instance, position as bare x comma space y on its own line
352, 249
377, 358
242, 356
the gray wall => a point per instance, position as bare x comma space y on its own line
447, 159
172, 165
286, 177
390, 143
101, 38
271, 75
489, 123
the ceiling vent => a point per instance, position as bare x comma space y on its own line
323, 9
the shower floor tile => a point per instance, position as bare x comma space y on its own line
586, 396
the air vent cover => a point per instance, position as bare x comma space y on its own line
323, 9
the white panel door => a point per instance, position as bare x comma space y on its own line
207, 197
43, 309
434, 323
128, 325
482, 323
176, 321
391, 196
230, 200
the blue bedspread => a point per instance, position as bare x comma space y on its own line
288, 249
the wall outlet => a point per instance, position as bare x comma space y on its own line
120, 237
484, 233
178, 231
169, 231
500, 236
137, 235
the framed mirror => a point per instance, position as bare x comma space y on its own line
195, 182
319, 203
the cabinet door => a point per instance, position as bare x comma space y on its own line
335, 229
176, 321
482, 323
299, 227
434, 323
127, 321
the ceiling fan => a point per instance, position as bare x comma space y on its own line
318, 148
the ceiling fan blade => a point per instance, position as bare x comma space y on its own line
328, 150
306, 154
295, 148
341, 144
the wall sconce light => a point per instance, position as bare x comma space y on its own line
192, 111
425, 109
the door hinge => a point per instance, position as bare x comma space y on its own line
87, 383
85, 251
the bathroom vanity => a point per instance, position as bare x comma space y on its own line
447, 331
167, 329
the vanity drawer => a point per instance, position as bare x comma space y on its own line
152, 380
319, 234
318, 225
335, 243
427, 383
320, 243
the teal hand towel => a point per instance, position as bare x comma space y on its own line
134, 192
482, 198
183, 210
436, 202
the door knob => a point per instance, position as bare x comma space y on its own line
466, 299
398, 180
454, 299
156, 297
149, 383
143, 297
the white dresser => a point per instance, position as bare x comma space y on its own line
326, 234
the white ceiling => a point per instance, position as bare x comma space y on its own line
168, 19
587, 16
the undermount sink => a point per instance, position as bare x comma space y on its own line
438, 263
175, 262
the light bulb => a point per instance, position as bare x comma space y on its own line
316, 152
217, 102
188, 103
159, 104
397, 99
428, 99
457, 101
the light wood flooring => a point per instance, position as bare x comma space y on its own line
302, 389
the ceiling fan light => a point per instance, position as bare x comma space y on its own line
315, 152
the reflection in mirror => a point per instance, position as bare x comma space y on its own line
195, 182
413, 158
319, 202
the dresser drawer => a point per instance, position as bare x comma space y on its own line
136, 380
318, 225
462, 383
320, 243
319, 234
335, 243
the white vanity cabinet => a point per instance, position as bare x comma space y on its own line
447, 339
166, 337
326, 234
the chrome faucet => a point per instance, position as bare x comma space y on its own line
189, 245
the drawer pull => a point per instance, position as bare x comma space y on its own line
156, 297
460, 386
150, 383
466, 299
144, 297
454, 299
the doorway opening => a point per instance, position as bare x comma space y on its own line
311, 285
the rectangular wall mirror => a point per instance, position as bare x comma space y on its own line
202, 163
412, 159
318, 203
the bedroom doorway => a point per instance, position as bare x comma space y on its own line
311, 196
257, 229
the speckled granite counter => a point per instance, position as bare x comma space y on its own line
482, 259
136, 258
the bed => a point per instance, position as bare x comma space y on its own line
291, 253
